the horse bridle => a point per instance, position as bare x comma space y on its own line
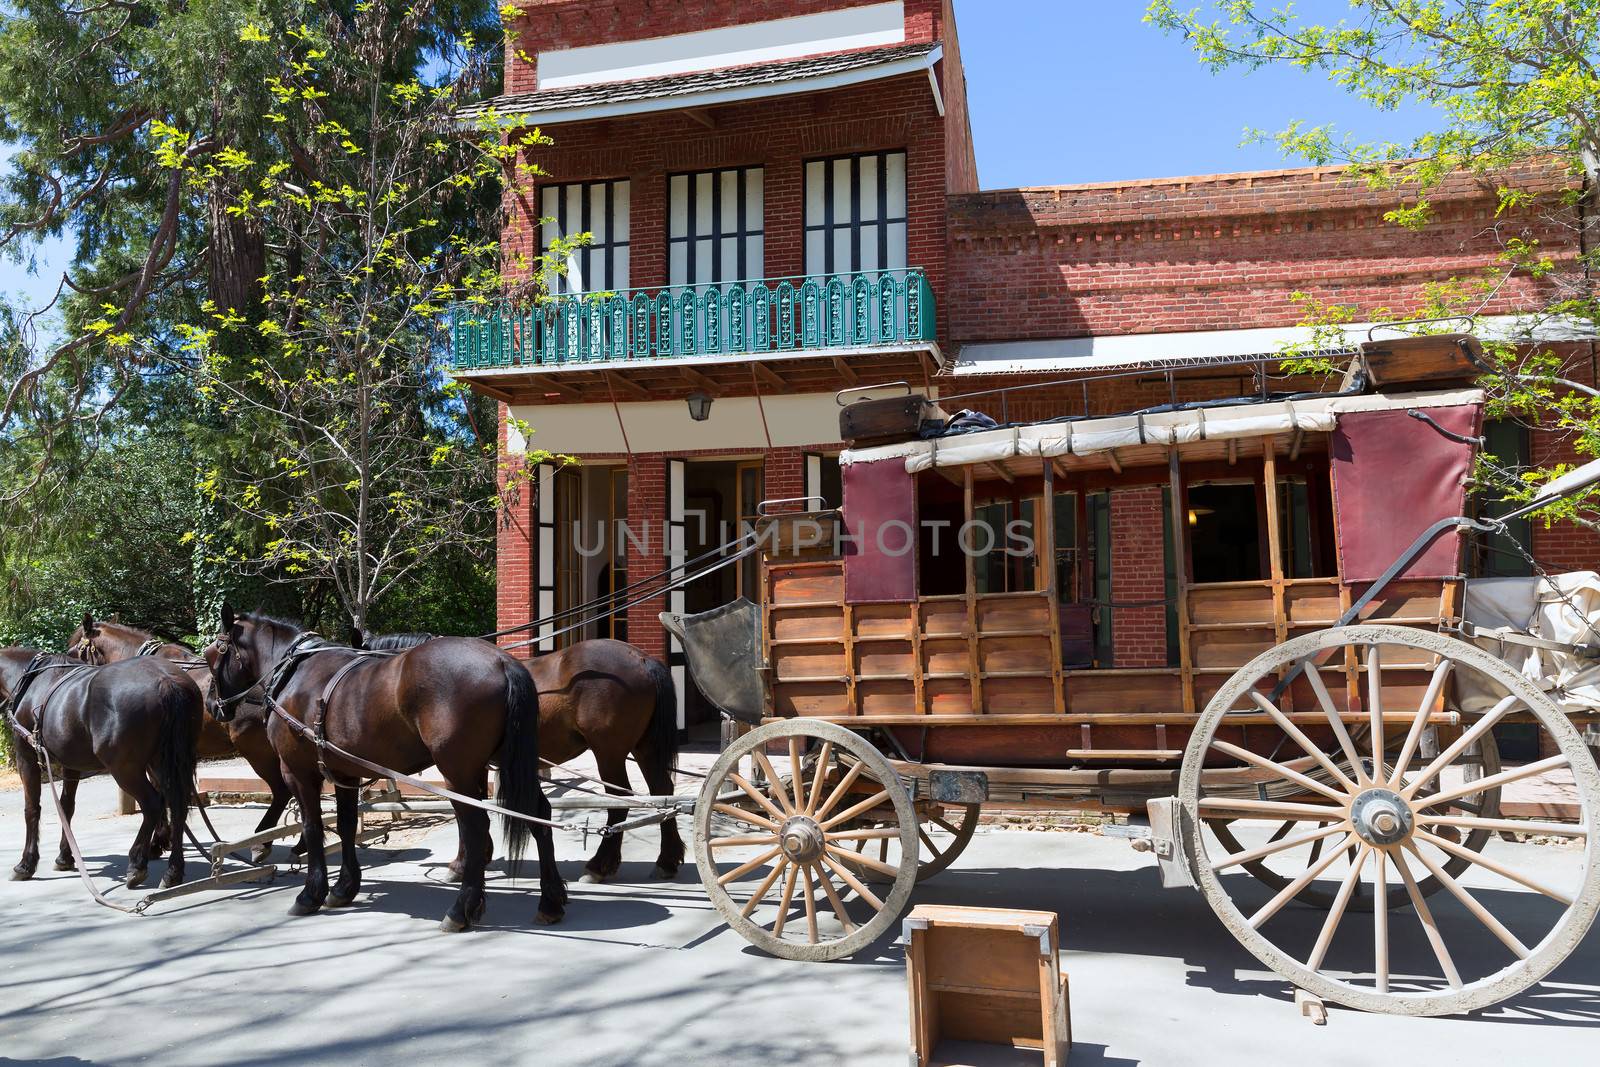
226, 709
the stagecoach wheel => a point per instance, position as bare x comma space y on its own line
1481, 760
944, 832
778, 858
1524, 907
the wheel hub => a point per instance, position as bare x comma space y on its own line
801, 839
1381, 817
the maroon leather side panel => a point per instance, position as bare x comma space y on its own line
1393, 477
880, 542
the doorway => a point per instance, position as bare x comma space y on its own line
719, 504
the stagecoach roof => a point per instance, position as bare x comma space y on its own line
1088, 436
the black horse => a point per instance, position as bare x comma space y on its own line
138, 720
454, 703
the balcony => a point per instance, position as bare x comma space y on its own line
706, 323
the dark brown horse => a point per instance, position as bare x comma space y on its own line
454, 703
609, 698
138, 720
112, 642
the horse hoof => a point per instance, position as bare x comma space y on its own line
261, 855
338, 900
546, 920
65, 863
451, 925
592, 878
662, 874
453, 875
171, 878
136, 878
21, 874
300, 907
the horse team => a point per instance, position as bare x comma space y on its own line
295, 706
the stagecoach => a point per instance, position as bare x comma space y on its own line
1316, 744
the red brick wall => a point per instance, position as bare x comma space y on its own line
1220, 252
961, 163
515, 575
1138, 572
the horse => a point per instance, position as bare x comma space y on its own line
139, 720
455, 703
100, 642
607, 697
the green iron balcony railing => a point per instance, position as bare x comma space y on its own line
755, 317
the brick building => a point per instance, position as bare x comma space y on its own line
783, 202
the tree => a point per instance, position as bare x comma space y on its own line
1510, 81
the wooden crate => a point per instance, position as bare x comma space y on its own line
988, 975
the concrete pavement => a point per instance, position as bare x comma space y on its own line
644, 973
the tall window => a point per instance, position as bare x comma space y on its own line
856, 214
596, 208
715, 226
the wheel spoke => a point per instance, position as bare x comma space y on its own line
811, 906
1446, 845
756, 795
1445, 758
926, 840
946, 827
1472, 904
786, 899
1513, 826
760, 892
1290, 891
1380, 898
840, 790
856, 809
775, 783
1429, 926
833, 899
1424, 713
748, 866
742, 839
867, 833
1243, 808
854, 883
1493, 781
888, 870
1300, 738
1375, 720
797, 778
1335, 720
745, 816
1330, 925
1278, 846
824, 757
1280, 770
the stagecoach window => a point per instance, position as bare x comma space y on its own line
1507, 445
1005, 539
1305, 527
599, 209
1224, 529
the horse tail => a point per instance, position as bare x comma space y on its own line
664, 720
520, 788
177, 746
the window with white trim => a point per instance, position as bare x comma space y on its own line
596, 208
856, 214
715, 226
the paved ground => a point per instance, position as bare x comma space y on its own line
644, 974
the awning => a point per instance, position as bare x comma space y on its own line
1088, 436
704, 88
1192, 348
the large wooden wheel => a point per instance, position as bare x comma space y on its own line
1513, 916
778, 857
944, 833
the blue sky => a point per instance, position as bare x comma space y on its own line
1066, 91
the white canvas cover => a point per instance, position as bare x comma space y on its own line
1088, 436
1564, 608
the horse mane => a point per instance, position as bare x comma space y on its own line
261, 617
395, 642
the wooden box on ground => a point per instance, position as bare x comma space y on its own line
986, 974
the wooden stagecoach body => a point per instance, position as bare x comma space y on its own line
1006, 680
